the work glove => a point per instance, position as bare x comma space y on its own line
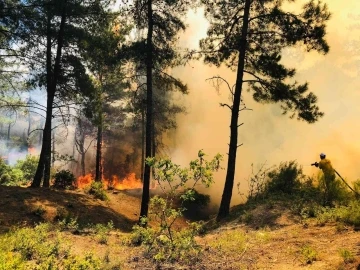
315, 164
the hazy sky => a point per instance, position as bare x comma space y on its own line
266, 134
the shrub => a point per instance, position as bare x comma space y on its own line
64, 179
97, 190
286, 178
10, 176
195, 208
3, 167
347, 255
5, 178
163, 242
28, 167
309, 254
102, 232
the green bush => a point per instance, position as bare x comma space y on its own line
28, 167
102, 232
10, 176
3, 167
5, 178
347, 255
195, 208
64, 179
97, 190
163, 242
309, 254
287, 178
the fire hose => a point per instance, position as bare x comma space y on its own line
315, 164
346, 182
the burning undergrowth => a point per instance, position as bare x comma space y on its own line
130, 184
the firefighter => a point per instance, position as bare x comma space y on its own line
329, 176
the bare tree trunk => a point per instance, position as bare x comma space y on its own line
83, 171
44, 164
98, 170
53, 148
29, 125
149, 67
9, 132
142, 143
230, 174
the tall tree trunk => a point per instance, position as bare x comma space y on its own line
43, 168
83, 171
230, 174
46, 145
142, 143
149, 106
53, 149
29, 125
8, 133
98, 170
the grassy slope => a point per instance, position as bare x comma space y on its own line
267, 237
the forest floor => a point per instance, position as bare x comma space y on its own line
266, 237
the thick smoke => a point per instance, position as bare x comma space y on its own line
267, 135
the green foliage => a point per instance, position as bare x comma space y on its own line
286, 178
230, 242
89, 261
28, 167
270, 80
356, 185
23, 248
97, 190
11, 176
64, 179
348, 214
309, 254
162, 240
347, 255
194, 204
335, 191
70, 224
102, 232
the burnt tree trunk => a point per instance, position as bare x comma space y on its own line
149, 111
230, 174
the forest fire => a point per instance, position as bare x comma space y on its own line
32, 151
129, 182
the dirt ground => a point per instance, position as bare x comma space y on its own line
274, 240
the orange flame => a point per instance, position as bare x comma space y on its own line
84, 181
129, 182
32, 151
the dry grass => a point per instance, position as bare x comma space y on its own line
262, 238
